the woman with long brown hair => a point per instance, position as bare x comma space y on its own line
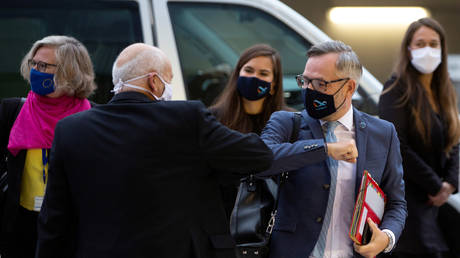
253, 92
421, 101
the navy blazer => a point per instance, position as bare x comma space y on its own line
303, 199
139, 178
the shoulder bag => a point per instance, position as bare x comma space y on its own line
254, 213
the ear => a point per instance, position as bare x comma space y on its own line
151, 82
155, 85
351, 87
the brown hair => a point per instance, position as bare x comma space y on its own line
228, 107
443, 90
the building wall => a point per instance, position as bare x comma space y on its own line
378, 46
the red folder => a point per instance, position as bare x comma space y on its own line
369, 204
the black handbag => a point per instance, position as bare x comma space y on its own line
253, 216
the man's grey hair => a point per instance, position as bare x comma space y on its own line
144, 62
347, 64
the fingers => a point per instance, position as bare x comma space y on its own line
352, 152
439, 199
363, 250
448, 188
350, 156
378, 243
345, 150
372, 225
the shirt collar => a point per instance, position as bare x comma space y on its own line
346, 120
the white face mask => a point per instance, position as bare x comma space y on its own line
167, 92
426, 59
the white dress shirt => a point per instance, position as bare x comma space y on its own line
338, 243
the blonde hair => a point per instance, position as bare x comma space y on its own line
74, 74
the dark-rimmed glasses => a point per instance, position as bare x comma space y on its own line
41, 66
318, 84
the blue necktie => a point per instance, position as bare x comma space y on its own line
318, 251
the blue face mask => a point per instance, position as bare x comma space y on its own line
252, 88
41, 83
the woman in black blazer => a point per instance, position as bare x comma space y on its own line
421, 102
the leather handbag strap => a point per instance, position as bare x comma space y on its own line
284, 176
295, 127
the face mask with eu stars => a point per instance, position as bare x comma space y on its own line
41, 83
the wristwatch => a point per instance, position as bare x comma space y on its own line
392, 241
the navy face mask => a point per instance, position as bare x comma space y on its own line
41, 83
252, 88
319, 105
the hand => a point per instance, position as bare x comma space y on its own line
441, 197
378, 243
343, 150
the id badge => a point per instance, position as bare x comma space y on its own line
38, 203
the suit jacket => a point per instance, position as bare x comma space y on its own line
135, 178
304, 197
426, 166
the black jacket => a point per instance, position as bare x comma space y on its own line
425, 168
136, 178
9, 109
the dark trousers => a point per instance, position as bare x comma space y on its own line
409, 255
21, 243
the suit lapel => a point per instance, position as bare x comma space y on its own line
361, 143
313, 125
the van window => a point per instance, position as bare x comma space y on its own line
210, 38
105, 28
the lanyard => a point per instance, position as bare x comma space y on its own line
45, 154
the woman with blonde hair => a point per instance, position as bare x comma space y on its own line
421, 102
61, 77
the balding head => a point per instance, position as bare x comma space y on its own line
139, 59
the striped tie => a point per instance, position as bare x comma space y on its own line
318, 251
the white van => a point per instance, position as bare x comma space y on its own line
203, 39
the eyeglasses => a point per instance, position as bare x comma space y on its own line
41, 66
318, 84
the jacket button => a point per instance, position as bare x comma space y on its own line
319, 219
326, 186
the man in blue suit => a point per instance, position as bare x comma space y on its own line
316, 203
